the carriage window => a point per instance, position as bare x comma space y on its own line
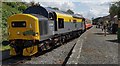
60, 23
18, 24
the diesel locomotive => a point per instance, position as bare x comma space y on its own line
39, 28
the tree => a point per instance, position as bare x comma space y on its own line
114, 9
22, 7
55, 8
12, 4
70, 11
32, 3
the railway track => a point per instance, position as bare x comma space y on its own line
7, 59
22, 60
59, 55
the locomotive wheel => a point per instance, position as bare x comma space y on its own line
46, 44
60, 41
42, 47
63, 39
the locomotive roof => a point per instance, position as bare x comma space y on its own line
58, 11
45, 10
36, 10
40, 17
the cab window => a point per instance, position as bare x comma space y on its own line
18, 24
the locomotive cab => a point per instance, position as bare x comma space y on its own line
23, 31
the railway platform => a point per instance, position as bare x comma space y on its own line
95, 48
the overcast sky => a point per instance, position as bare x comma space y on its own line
88, 8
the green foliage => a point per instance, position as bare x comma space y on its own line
55, 8
6, 12
8, 9
12, 4
32, 3
5, 48
96, 19
115, 9
0, 10
70, 11
22, 7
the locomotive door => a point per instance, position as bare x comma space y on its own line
75, 24
52, 16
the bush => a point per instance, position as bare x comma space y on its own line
12, 4
22, 8
0, 10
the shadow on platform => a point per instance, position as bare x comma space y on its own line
114, 41
104, 33
100, 34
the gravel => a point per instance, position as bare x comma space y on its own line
56, 56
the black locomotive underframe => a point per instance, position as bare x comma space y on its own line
20, 44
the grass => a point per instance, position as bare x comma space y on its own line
4, 48
6, 12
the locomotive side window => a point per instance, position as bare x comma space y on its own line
51, 17
60, 23
74, 21
18, 24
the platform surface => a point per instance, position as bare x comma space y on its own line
95, 48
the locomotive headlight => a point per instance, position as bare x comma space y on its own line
23, 24
12, 24
36, 34
18, 33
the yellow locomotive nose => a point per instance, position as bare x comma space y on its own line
23, 30
23, 26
